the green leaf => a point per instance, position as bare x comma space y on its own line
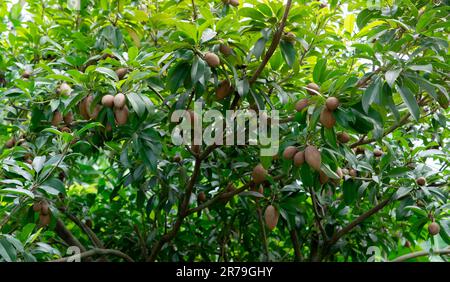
288, 52
410, 101
371, 94
349, 23
38, 163
17, 191
319, 69
350, 190
137, 103
391, 76
176, 76
109, 72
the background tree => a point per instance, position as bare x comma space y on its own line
87, 95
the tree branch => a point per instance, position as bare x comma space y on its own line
94, 252
92, 236
421, 254
296, 245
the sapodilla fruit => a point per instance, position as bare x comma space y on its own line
225, 49
120, 101
299, 158
121, 72
434, 228
300, 105
44, 219
289, 37
271, 216
312, 88
327, 118
82, 106
121, 115
313, 158
10, 143
259, 174
108, 101
66, 129
234, 3
289, 152
353, 172
332, 103
57, 118
92, 113
224, 89
323, 178
44, 208
421, 181
37, 207
68, 118
377, 153
201, 197
212, 59
26, 74
343, 137
64, 89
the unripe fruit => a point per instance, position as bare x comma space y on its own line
37, 207
225, 49
44, 219
300, 105
377, 153
299, 158
312, 88
119, 101
121, 115
434, 228
108, 101
64, 89
327, 119
212, 59
259, 174
352, 172
332, 103
289, 152
224, 89
10, 143
121, 72
343, 137
201, 197
44, 208
68, 118
421, 181
271, 216
313, 158
323, 178
57, 118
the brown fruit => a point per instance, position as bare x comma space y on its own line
259, 174
108, 101
234, 3
44, 208
26, 74
64, 89
212, 59
95, 112
68, 118
332, 103
377, 153
300, 105
407, 244
352, 172
421, 181
434, 228
343, 137
37, 207
121, 72
225, 49
313, 158
312, 88
120, 101
360, 150
299, 158
289, 152
44, 219
224, 89
66, 129
121, 115
57, 118
10, 143
82, 106
271, 216
289, 37
327, 118
323, 178
201, 197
